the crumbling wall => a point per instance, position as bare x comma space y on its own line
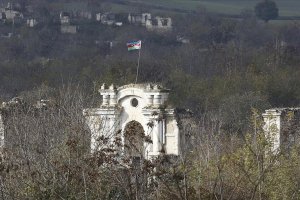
187, 128
282, 126
1, 131
290, 128
171, 136
160, 24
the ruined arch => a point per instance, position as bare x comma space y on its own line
134, 135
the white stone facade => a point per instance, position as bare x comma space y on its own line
106, 18
282, 127
31, 22
142, 103
1, 132
160, 24
139, 18
272, 127
12, 14
64, 18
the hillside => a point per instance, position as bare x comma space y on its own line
287, 8
223, 70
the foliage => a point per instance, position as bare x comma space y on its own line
228, 68
266, 10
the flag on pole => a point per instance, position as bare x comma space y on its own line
134, 45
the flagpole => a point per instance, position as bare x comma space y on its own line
138, 66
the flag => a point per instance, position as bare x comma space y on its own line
134, 45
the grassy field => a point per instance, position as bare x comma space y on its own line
286, 7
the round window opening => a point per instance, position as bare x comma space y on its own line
134, 102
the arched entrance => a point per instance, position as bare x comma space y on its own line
134, 135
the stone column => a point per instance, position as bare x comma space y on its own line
156, 138
114, 126
272, 128
157, 100
113, 99
163, 133
1, 132
150, 100
105, 100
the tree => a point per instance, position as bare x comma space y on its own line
266, 10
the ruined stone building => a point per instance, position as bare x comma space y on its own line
282, 126
138, 114
108, 19
32, 22
10, 12
84, 14
66, 26
159, 24
65, 18
141, 108
139, 19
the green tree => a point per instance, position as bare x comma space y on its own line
266, 10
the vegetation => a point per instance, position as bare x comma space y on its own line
229, 7
266, 10
229, 68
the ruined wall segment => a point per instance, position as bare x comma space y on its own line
282, 126
1, 131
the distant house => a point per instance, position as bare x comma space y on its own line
98, 17
84, 14
282, 127
108, 19
65, 21
139, 19
134, 18
65, 18
32, 22
160, 24
11, 14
